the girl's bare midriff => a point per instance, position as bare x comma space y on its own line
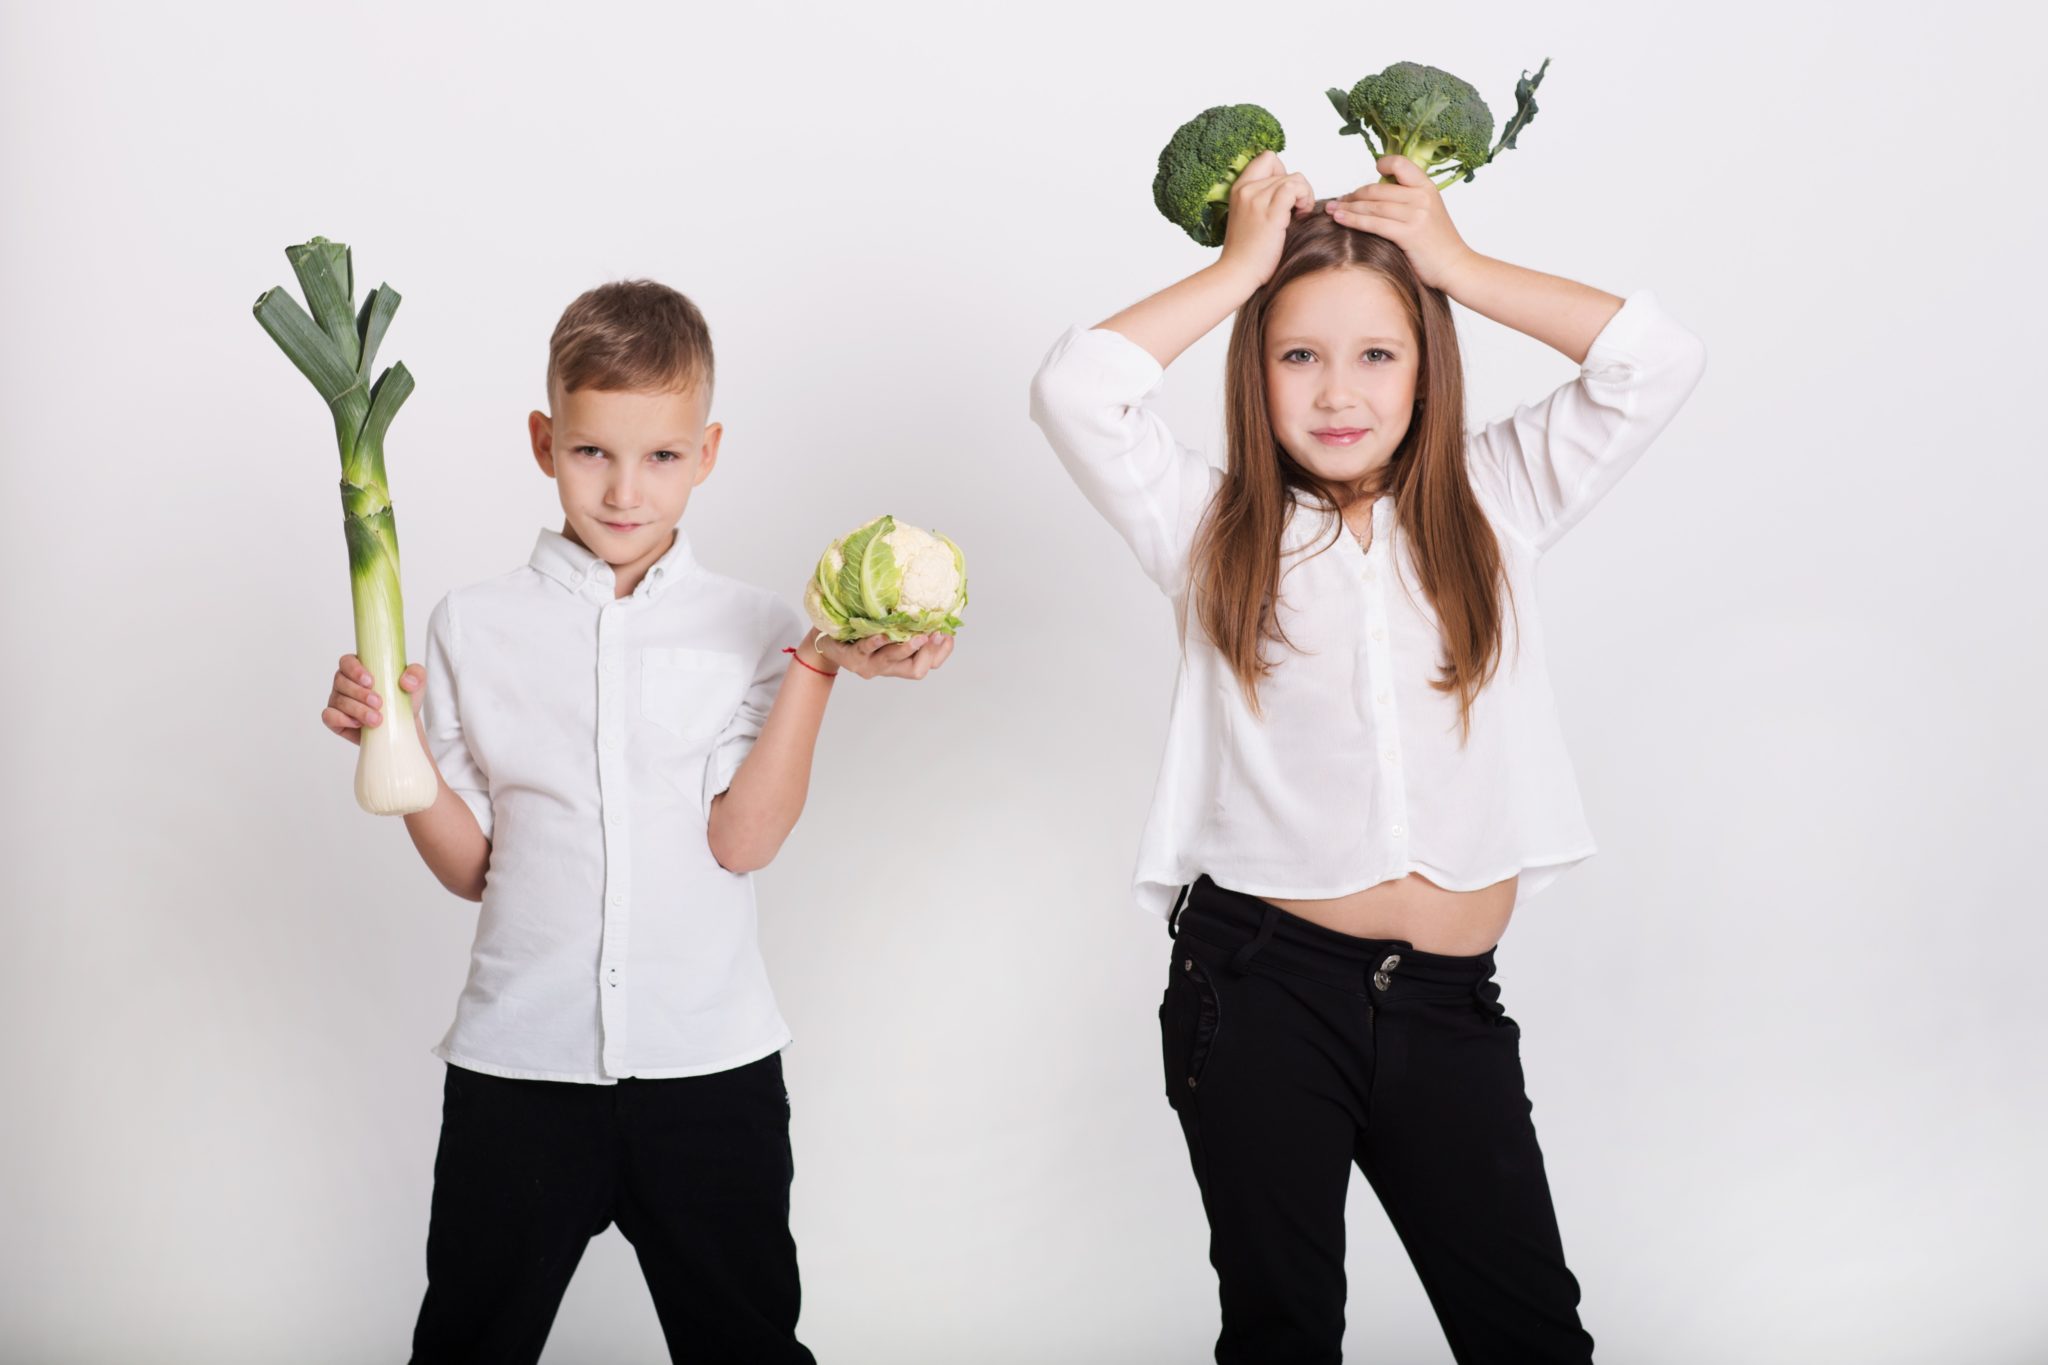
1417, 911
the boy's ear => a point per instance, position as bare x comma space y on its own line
709, 453
541, 430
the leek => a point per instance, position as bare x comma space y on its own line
335, 347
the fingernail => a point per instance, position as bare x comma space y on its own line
376, 700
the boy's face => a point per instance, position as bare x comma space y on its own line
624, 462
1340, 371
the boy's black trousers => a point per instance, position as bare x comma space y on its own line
1292, 1051
695, 1171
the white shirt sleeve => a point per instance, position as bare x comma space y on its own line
1088, 398
1542, 467
737, 740
441, 716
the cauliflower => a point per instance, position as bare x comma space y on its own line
887, 579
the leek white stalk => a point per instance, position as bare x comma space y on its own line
335, 348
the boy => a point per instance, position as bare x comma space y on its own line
621, 737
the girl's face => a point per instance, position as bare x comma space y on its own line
1341, 366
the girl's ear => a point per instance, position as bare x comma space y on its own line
541, 431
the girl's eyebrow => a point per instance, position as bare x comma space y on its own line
1289, 341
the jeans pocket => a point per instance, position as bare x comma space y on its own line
1190, 1014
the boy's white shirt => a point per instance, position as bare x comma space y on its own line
1355, 775
589, 733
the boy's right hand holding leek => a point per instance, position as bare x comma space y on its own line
446, 833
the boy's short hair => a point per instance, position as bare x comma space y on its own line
630, 334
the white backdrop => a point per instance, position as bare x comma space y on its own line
1782, 1035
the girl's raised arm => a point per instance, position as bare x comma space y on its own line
1544, 465
1263, 200
1089, 394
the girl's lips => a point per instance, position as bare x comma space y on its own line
1340, 436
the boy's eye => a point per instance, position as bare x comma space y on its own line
666, 457
588, 450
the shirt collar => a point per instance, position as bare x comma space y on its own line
1313, 522
571, 565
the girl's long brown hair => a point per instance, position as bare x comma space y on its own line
1235, 570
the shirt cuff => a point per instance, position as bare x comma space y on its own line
1100, 359
1630, 335
722, 766
479, 804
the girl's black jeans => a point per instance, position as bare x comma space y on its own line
1292, 1051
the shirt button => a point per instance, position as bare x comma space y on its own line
1385, 696
1393, 756
1369, 576
611, 742
1397, 831
616, 817
1378, 633
618, 898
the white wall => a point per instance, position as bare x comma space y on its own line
1782, 1035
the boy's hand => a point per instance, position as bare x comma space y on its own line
1409, 214
876, 657
1264, 199
353, 703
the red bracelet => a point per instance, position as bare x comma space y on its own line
791, 649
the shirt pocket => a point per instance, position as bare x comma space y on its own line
691, 693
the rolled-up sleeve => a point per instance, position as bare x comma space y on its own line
786, 625
1088, 397
441, 716
1544, 466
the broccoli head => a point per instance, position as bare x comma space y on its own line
1202, 160
1431, 117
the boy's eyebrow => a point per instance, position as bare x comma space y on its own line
577, 438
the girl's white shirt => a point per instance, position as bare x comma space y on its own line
1356, 776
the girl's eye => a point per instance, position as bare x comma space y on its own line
1377, 351
1299, 350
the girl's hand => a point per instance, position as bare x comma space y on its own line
353, 704
876, 657
1264, 199
1410, 214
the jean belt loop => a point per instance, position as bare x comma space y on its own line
1179, 906
1242, 958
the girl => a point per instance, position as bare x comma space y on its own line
1364, 771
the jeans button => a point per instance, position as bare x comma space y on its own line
1393, 961
1380, 979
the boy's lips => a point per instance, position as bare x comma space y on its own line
619, 525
